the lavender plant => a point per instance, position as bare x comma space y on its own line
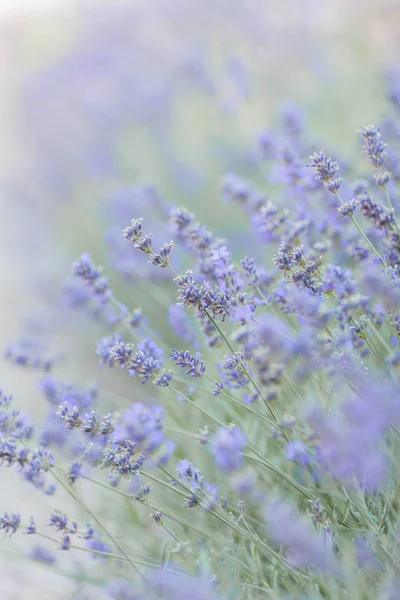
258, 456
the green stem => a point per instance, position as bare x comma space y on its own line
203, 410
248, 374
361, 232
164, 483
137, 561
259, 459
368, 241
389, 201
170, 533
212, 512
165, 512
96, 519
245, 406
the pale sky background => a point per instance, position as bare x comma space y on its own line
21, 7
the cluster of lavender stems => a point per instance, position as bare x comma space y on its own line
264, 442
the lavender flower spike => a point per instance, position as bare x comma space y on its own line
193, 365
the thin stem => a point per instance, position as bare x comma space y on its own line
380, 337
248, 374
384, 367
105, 554
254, 537
203, 410
355, 222
95, 518
259, 459
212, 512
221, 333
245, 406
370, 404
170, 533
164, 483
286, 380
361, 232
165, 512
389, 201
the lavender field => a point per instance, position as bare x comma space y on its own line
200, 301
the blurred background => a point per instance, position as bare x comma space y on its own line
112, 110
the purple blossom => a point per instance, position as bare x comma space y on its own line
172, 586
193, 365
30, 354
58, 521
180, 323
163, 380
350, 449
297, 452
380, 216
228, 444
324, 168
162, 259
233, 370
303, 546
103, 349
41, 554
142, 425
10, 523
86, 269
74, 471
99, 546
374, 147
144, 363
188, 474
133, 232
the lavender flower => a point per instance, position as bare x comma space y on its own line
10, 523
303, 545
374, 148
28, 353
144, 363
41, 554
145, 244
163, 380
193, 365
163, 258
142, 425
86, 269
287, 257
233, 371
325, 170
133, 232
173, 586
348, 208
74, 471
71, 418
228, 444
58, 521
187, 473
203, 297
381, 217
180, 323
103, 349
296, 451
